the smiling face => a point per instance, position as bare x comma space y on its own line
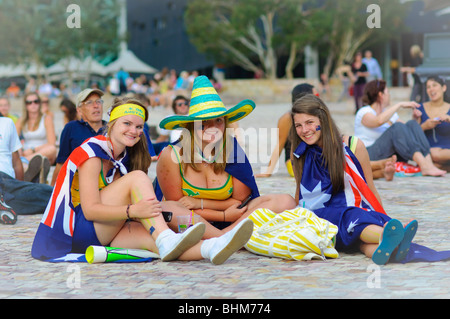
210, 131
126, 132
33, 103
435, 90
308, 128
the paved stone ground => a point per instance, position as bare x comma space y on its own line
245, 275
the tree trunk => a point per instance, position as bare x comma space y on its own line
270, 59
291, 61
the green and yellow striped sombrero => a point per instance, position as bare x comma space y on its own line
205, 105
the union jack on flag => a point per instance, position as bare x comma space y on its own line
53, 240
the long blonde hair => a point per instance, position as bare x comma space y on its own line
25, 116
188, 143
332, 150
140, 158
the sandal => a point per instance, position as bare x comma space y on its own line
403, 248
393, 234
403, 169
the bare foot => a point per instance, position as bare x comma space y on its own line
389, 171
389, 168
433, 171
263, 175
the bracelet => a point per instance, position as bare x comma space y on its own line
128, 211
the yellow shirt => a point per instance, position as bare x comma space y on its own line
75, 190
220, 193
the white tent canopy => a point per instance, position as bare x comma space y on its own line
129, 62
77, 66
8, 71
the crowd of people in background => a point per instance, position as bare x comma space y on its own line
29, 140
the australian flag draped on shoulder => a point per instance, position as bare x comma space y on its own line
316, 193
53, 240
316, 188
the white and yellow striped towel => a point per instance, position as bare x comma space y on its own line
296, 234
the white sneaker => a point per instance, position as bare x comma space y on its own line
171, 245
219, 249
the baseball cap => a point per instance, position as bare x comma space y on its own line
83, 95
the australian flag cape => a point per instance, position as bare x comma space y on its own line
53, 240
237, 166
316, 193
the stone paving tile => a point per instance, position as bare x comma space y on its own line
245, 275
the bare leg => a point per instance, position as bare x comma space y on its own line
136, 186
370, 238
384, 168
441, 157
129, 189
426, 165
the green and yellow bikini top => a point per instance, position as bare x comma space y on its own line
220, 193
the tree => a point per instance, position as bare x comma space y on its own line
349, 26
249, 33
39, 30
254, 33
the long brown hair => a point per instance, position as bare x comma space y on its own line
332, 150
140, 158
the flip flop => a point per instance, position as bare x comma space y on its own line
403, 248
393, 234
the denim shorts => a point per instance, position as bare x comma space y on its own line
84, 233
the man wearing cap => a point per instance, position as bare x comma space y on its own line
90, 109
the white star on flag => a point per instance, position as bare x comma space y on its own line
314, 199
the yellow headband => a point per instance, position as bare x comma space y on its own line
127, 109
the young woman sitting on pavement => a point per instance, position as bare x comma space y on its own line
103, 196
434, 118
207, 171
377, 124
336, 184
